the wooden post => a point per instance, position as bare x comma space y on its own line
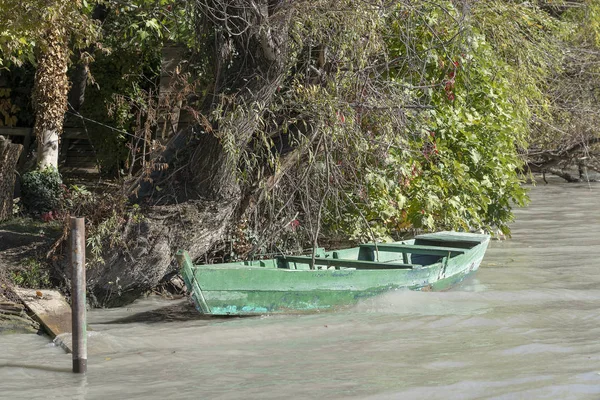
78, 295
9, 154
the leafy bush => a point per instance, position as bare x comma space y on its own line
42, 191
453, 165
32, 273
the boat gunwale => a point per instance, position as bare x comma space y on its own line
385, 266
452, 255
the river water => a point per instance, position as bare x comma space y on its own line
527, 326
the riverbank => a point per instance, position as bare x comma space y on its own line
23, 245
14, 318
24, 262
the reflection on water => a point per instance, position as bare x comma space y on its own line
526, 326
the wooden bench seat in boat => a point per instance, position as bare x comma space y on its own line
337, 263
419, 254
414, 248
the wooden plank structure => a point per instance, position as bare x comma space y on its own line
414, 249
52, 311
341, 263
76, 150
14, 319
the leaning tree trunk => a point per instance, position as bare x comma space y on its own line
50, 91
248, 68
9, 155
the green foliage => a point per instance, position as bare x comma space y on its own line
148, 23
77, 198
123, 78
455, 166
466, 157
42, 191
25, 26
529, 41
410, 117
107, 231
584, 24
126, 73
32, 273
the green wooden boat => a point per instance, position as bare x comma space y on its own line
287, 284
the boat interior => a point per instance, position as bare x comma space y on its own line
412, 254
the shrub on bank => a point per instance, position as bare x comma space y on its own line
41, 190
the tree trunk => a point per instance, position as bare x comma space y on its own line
80, 72
128, 273
9, 155
169, 103
50, 96
194, 206
79, 76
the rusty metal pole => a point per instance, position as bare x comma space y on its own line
78, 295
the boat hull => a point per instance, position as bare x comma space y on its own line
265, 288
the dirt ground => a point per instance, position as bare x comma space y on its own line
20, 239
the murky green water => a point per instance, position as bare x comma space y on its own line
526, 327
